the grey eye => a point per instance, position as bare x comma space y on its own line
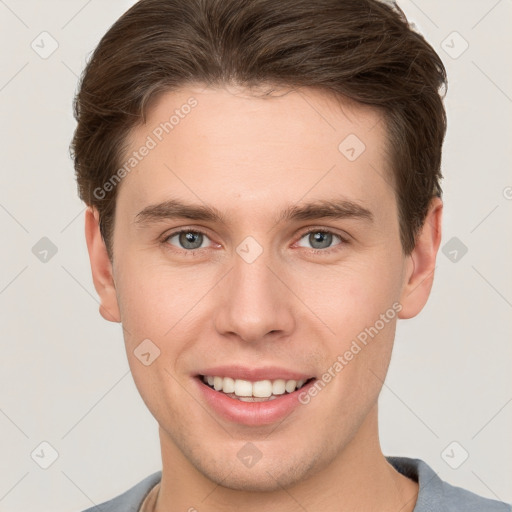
188, 239
319, 239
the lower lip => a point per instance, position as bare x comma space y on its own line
251, 413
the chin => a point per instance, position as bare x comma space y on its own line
262, 479
269, 474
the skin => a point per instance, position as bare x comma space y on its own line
251, 157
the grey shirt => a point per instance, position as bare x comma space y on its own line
434, 494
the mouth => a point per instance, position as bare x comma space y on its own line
253, 391
252, 396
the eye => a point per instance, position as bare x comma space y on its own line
321, 239
187, 239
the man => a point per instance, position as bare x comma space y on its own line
264, 205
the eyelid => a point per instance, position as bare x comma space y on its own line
165, 237
344, 239
315, 229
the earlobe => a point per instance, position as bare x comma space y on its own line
101, 267
422, 262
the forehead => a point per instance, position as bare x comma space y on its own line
220, 145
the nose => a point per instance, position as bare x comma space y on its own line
254, 304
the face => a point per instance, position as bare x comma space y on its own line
256, 245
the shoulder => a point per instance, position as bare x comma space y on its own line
130, 500
437, 495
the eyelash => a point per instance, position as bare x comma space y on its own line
344, 241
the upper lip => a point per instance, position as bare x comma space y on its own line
254, 374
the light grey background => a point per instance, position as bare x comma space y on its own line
64, 376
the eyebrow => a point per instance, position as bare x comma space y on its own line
177, 209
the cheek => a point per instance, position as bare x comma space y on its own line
154, 297
356, 294
155, 306
361, 309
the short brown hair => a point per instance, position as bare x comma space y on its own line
364, 50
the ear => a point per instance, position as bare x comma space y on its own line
421, 263
101, 267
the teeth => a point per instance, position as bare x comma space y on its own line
243, 388
262, 388
228, 385
247, 390
217, 383
255, 399
279, 387
290, 386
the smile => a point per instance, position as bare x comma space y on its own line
257, 391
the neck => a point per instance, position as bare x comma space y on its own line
358, 479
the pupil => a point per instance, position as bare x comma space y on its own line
319, 236
189, 240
